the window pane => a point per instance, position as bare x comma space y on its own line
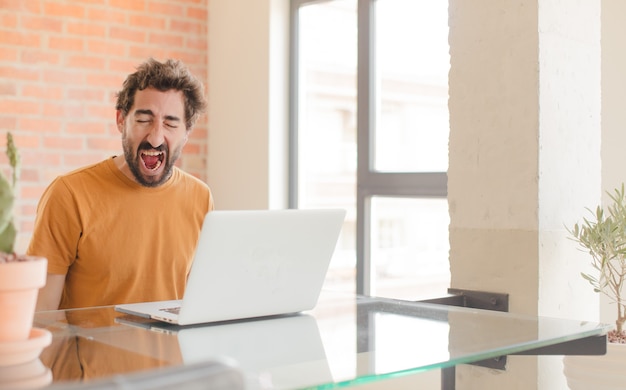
327, 122
412, 64
410, 247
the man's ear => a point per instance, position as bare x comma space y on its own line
119, 119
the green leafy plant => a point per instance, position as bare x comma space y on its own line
604, 238
8, 232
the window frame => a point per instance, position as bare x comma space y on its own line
370, 183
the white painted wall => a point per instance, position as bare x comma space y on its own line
248, 81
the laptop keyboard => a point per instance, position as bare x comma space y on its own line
173, 310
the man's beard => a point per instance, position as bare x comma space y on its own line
133, 161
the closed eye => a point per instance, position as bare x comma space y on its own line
172, 121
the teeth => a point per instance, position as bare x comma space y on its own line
152, 153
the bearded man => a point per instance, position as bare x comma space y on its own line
125, 229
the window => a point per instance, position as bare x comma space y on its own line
369, 134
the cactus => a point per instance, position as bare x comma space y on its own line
8, 232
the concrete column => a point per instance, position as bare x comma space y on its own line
613, 112
524, 162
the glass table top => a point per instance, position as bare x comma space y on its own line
345, 340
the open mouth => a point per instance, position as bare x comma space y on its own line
152, 159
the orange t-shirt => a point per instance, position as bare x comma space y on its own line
117, 241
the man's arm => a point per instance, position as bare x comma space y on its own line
50, 294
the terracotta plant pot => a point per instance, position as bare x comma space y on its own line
31, 375
20, 282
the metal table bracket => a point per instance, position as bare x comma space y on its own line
473, 299
595, 345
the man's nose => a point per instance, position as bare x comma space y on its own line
156, 135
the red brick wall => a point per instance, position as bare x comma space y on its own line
61, 63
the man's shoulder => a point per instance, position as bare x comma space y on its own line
84, 173
189, 178
87, 168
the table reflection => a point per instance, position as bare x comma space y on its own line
85, 347
281, 351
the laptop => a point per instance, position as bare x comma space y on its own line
252, 263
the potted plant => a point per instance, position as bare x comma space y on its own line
603, 236
21, 276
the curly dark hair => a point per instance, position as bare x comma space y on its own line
164, 76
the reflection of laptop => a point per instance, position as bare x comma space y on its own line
284, 351
252, 263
